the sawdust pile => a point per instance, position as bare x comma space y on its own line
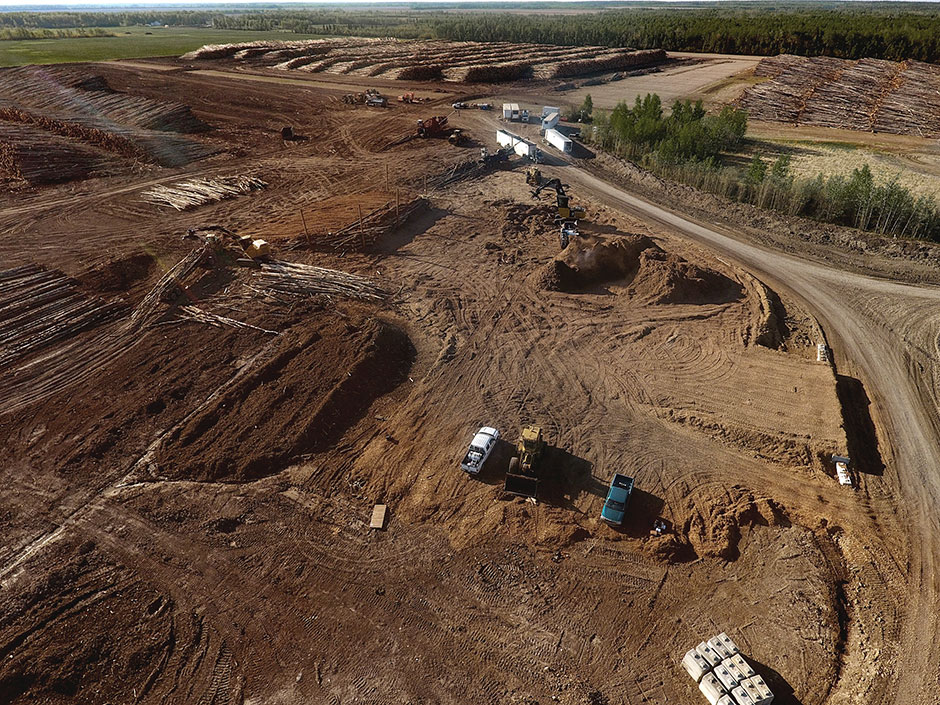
650, 273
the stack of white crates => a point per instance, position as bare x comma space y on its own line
723, 675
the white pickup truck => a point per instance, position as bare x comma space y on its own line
481, 446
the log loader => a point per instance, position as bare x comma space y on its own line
562, 201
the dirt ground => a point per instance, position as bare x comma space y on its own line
186, 507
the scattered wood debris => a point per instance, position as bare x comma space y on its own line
197, 192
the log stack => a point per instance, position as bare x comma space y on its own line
870, 95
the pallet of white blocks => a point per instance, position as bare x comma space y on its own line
723, 674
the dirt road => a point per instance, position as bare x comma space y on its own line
888, 332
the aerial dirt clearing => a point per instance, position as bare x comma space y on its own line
194, 441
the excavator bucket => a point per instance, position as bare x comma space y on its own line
521, 485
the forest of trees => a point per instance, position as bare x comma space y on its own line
689, 146
894, 31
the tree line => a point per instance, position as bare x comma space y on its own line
895, 31
691, 147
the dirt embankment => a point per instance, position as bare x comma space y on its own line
316, 380
650, 273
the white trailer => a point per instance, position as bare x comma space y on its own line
520, 146
548, 110
511, 111
550, 121
558, 141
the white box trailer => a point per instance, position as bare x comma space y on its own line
550, 121
695, 664
520, 146
558, 141
549, 109
711, 688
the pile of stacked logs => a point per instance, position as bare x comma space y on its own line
872, 95
306, 280
196, 192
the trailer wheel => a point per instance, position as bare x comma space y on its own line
513, 465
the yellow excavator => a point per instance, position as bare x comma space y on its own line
533, 176
522, 477
562, 202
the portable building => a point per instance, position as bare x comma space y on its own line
746, 670
734, 670
758, 691
695, 664
507, 111
728, 643
708, 653
711, 688
549, 109
719, 648
558, 141
741, 696
549, 121
520, 146
726, 677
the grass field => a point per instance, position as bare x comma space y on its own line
129, 43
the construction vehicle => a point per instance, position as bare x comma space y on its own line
522, 477
500, 155
433, 126
407, 98
569, 230
533, 176
457, 137
562, 202
460, 106
377, 101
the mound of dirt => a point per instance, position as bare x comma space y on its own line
649, 272
712, 518
121, 273
317, 380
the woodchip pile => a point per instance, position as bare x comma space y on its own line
412, 60
196, 192
872, 95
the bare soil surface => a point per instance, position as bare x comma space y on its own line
186, 506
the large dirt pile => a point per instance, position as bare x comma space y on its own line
649, 272
314, 383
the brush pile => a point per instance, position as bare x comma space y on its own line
432, 60
306, 280
871, 95
197, 192
373, 227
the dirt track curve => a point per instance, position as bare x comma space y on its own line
889, 332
